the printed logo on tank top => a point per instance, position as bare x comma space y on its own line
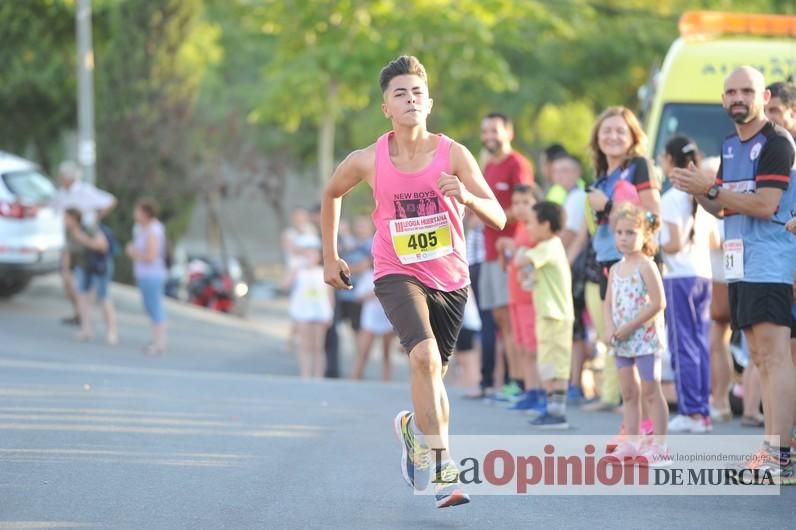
410, 205
420, 231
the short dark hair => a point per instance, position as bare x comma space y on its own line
149, 207
499, 116
403, 65
531, 188
784, 91
549, 212
566, 156
554, 151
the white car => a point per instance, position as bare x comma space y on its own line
31, 231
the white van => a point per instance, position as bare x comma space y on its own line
31, 231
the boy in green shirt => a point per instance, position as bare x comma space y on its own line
552, 297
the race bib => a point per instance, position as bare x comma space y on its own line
733, 259
421, 238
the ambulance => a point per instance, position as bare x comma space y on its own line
684, 97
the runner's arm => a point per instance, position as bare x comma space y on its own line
348, 174
476, 194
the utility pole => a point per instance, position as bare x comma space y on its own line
86, 146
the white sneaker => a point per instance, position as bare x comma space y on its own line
687, 424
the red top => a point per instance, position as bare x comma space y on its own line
502, 177
518, 295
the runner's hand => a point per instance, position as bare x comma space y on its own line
451, 186
333, 273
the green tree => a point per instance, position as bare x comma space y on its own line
37, 77
326, 56
148, 75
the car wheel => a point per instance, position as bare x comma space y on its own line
12, 286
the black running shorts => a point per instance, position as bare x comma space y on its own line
753, 303
418, 312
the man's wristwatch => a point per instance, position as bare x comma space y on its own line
713, 192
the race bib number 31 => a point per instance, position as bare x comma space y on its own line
733, 259
421, 238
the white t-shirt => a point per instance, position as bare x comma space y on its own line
85, 197
693, 260
575, 208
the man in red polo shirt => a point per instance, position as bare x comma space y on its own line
505, 168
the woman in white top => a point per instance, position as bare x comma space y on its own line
311, 309
686, 241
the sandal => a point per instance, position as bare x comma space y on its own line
752, 421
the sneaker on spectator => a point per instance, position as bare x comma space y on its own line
656, 455
540, 408
707, 421
527, 401
509, 393
683, 423
646, 430
575, 395
548, 421
622, 452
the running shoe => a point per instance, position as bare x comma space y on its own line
765, 456
415, 458
785, 475
447, 489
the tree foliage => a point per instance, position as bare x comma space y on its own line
149, 72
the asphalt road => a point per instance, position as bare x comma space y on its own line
217, 434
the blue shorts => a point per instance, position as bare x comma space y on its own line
85, 282
152, 294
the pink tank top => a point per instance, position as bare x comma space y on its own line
419, 232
